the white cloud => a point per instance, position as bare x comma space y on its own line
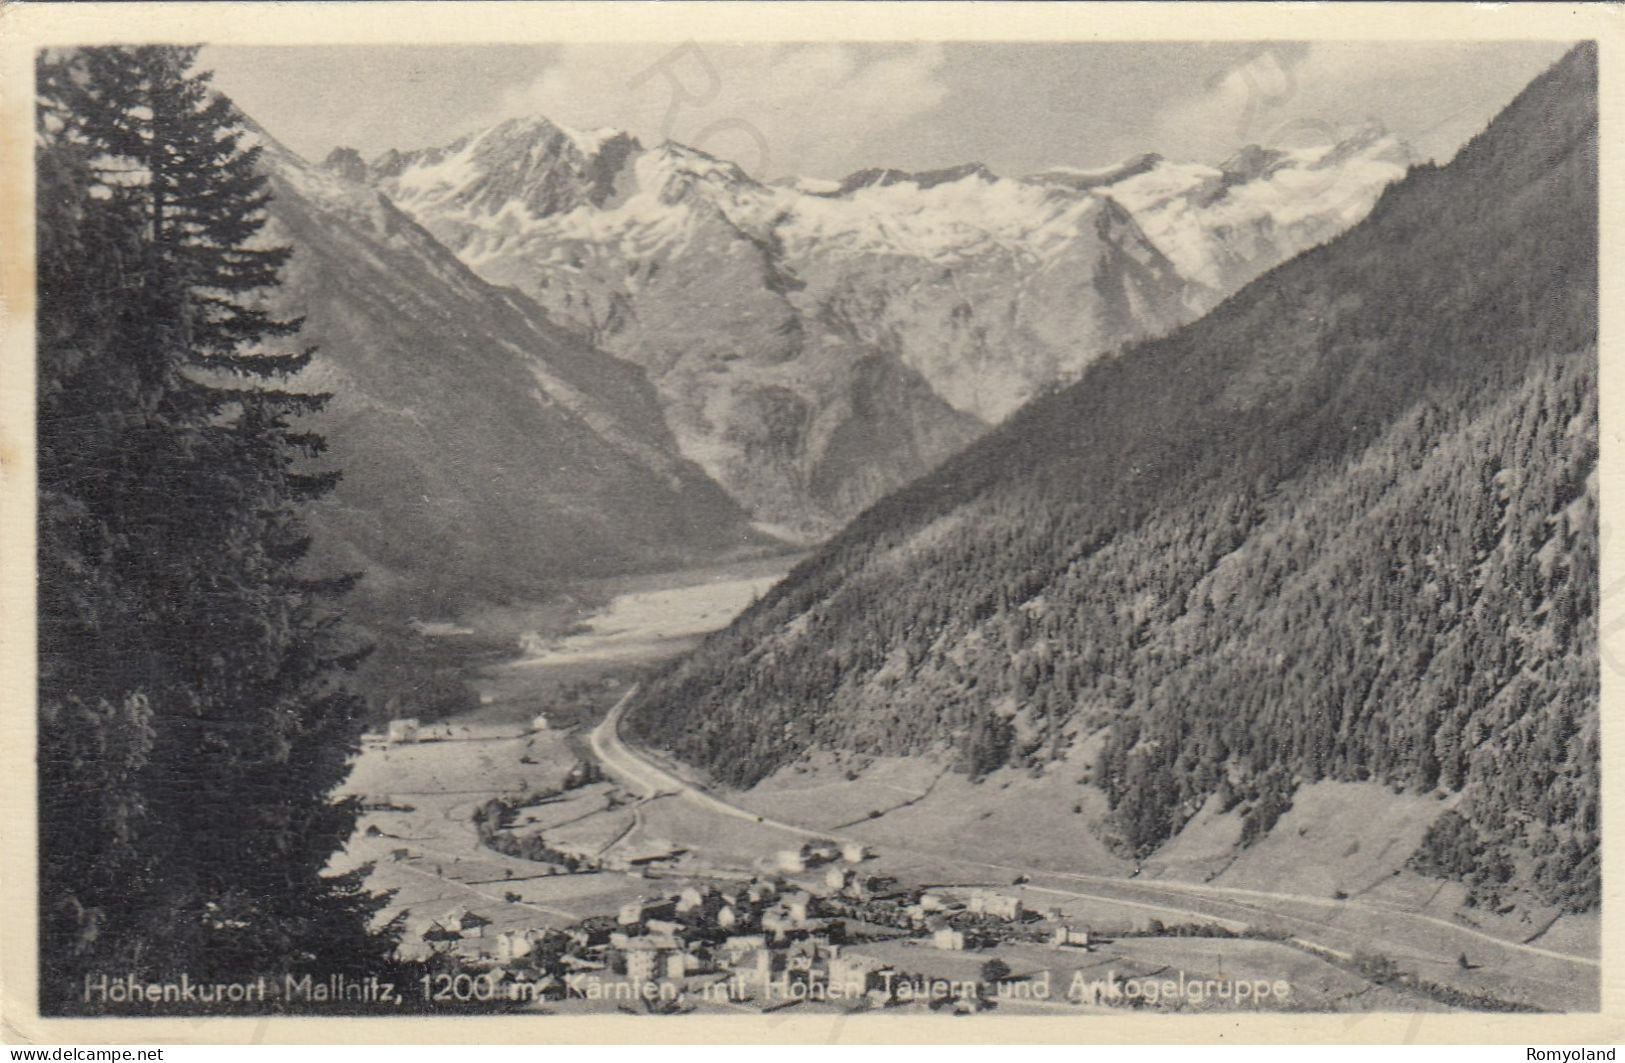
1434, 94
774, 109
1262, 100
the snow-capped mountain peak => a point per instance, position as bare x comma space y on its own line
757, 309
678, 169
539, 164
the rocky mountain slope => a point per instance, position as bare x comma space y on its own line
485, 452
815, 344
1357, 542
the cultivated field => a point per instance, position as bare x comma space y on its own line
423, 845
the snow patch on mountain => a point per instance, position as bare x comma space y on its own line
1223, 225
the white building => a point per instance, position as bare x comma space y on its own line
777, 923
949, 939
466, 921
642, 962
755, 967
1076, 937
821, 851
665, 927
853, 971
642, 911
515, 945
402, 730
739, 944
539, 723
999, 905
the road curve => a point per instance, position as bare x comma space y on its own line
638, 773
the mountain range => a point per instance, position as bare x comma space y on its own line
815, 344
1342, 530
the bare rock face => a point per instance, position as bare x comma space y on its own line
782, 324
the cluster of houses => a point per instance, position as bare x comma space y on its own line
816, 853
459, 924
761, 933
780, 935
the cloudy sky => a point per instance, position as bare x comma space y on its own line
824, 110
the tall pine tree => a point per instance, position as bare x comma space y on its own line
192, 730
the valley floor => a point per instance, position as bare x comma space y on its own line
1324, 893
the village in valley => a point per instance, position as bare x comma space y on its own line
532, 880
549, 907
774, 940
538, 862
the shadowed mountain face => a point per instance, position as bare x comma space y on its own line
485, 452
761, 312
1342, 528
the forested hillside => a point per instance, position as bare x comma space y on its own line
1344, 527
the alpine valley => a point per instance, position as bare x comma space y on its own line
815, 344
1185, 505
577, 569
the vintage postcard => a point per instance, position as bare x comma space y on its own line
810, 522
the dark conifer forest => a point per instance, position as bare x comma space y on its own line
1345, 527
192, 717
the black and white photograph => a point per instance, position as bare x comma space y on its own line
836, 530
